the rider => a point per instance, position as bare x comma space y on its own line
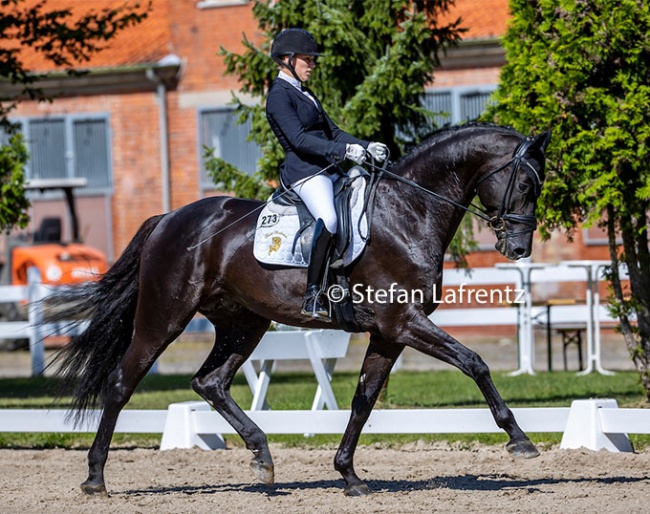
314, 146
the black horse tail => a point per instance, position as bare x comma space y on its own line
108, 307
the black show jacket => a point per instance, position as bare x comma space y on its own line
308, 136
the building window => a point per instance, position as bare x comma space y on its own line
47, 148
228, 140
457, 105
68, 147
440, 104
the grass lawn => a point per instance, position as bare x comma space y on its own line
431, 389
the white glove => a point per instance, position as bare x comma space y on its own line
378, 151
356, 153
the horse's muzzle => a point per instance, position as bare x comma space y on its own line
514, 244
514, 248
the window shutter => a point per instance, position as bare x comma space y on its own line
472, 105
91, 155
441, 105
47, 148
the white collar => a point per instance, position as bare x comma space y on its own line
291, 80
298, 85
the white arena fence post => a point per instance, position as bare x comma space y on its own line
180, 430
588, 428
36, 293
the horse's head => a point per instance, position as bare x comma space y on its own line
509, 194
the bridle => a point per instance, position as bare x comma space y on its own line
498, 221
518, 161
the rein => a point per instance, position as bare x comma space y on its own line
497, 222
477, 211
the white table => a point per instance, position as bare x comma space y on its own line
593, 271
557, 272
526, 336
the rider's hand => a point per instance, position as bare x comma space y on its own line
378, 151
356, 153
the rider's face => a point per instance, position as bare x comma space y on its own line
304, 65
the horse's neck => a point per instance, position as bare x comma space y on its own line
445, 182
429, 220
425, 223
442, 170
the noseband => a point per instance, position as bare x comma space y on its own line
498, 221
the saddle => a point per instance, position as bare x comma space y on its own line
285, 227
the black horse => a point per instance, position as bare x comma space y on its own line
164, 277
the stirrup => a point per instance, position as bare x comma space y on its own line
312, 307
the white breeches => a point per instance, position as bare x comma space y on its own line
318, 195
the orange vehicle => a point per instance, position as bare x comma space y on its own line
59, 262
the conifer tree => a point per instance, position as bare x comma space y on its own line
378, 57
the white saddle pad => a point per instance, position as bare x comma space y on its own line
278, 225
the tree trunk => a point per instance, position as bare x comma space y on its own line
637, 339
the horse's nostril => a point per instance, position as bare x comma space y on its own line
520, 251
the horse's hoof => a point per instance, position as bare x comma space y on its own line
263, 472
357, 490
522, 449
94, 489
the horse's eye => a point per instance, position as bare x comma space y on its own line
523, 188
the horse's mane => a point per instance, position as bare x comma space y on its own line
439, 136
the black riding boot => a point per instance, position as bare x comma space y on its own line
314, 305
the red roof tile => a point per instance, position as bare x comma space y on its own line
484, 19
150, 40
146, 42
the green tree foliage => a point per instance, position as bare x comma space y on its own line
65, 40
13, 203
379, 54
582, 68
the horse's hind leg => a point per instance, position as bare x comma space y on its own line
234, 343
377, 364
121, 383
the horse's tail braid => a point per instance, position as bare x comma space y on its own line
108, 306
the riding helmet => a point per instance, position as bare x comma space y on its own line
293, 41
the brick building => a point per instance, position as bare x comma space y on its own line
135, 125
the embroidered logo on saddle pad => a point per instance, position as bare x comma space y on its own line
284, 232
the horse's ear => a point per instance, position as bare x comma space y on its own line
541, 141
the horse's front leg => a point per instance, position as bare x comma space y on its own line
377, 364
423, 335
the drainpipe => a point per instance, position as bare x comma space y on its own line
161, 94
